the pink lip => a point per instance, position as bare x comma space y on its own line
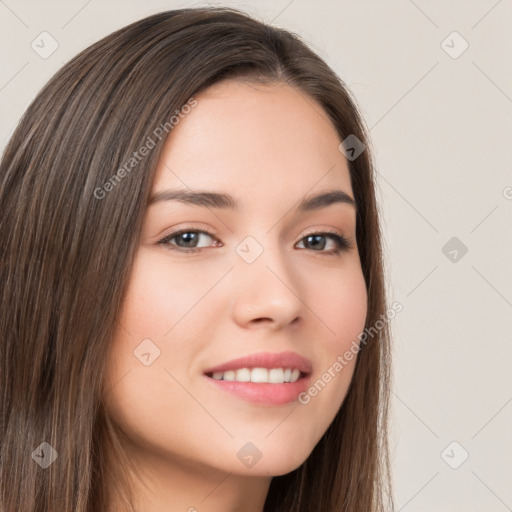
266, 360
263, 392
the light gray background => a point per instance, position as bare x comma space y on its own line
442, 129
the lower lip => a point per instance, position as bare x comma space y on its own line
263, 392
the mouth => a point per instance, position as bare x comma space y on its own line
259, 375
264, 378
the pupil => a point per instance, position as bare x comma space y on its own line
188, 236
316, 237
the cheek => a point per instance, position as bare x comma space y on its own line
343, 308
165, 314
160, 295
157, 318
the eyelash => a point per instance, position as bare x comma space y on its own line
342, 244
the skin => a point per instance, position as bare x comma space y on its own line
268, 146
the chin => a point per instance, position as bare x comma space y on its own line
275, 462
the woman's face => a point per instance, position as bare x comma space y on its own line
258, 284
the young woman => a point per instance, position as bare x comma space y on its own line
192, 281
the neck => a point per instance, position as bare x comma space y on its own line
161, 484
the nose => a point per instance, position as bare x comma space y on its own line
268, 292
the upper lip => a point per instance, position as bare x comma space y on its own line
266, 360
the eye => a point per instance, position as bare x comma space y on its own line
189, 237
339, 241
187, 241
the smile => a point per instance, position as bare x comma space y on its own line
268, 375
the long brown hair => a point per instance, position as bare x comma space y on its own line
67, 247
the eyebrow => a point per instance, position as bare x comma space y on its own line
226, 201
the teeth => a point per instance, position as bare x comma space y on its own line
243, 375
276, 375
259, 375
229, 375
273, 375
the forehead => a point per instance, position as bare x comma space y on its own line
272, 140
